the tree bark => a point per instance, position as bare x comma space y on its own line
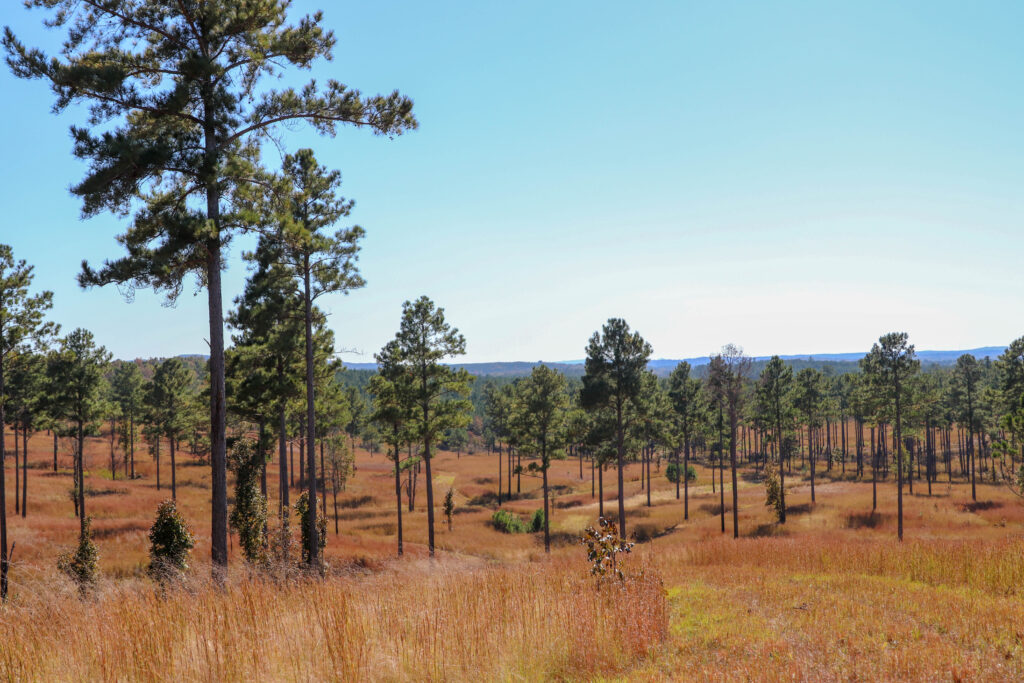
314, 545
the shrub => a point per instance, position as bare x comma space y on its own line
508, 522
672, 472
449, 507
249, 513
170, 541
302, 511
773, 492
82, 565
537, 521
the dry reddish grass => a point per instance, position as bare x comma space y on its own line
829, 595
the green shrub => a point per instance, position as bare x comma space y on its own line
537, 521
170, 541
302, 511
508, 522
672, 472
249, 513
773, 491
82, 565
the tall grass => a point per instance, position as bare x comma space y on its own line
419, 622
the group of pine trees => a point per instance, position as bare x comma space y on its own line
964, 421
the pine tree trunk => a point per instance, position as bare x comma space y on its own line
282, 456
24, 471
174, 469
314, 545
398, 493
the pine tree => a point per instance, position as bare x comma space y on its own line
127, 385
168, 403
774, 396
436, 396
21, 325
76, 372
689, 410
178, 109
323, 264
889, 364
392, 410
544, 403
616, 361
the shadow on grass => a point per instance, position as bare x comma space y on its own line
980, 505
867, 520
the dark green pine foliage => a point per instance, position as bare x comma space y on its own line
170, 542
773, 397
265, 365
179, 105
544, 403
437, 393
76, 373
168, 401
128, 392
889, 365
321, 263
689, 415
27, 407
392, 411
21, 326
616, 361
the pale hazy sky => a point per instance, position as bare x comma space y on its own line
790, 177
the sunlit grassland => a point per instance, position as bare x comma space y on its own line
830, 595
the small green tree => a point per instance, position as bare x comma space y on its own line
82, 564
449, 508
170, 542
249, 513
773, 494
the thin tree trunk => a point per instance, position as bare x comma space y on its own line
314, 545
174, 469
398, 493
24, 471
282, 456
17, 472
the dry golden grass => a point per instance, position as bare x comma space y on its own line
830, 595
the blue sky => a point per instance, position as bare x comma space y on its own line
789, 177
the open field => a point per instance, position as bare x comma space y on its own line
829, 595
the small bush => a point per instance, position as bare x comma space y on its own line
672, 472
773, 492
508, 522
82, 565
170, 541
302, 511
449, 507
537, 521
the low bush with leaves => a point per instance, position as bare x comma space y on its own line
537, 521
82, 564
672, 472
170, 542
509, 522
773, 493
249, 513
302, 512
449, 507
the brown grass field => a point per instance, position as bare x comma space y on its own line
831, 595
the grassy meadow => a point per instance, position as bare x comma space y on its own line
829, 595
